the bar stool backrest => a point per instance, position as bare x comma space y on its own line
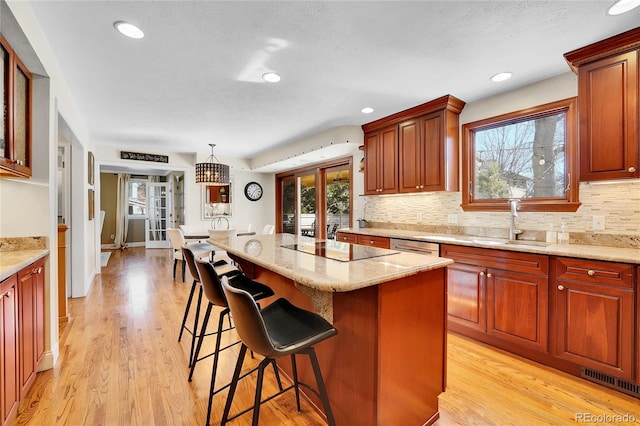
249, 323
211, 284
190, 258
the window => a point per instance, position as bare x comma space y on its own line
137, 198
530, 155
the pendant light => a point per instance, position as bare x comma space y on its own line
212, 173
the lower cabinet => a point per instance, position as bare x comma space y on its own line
31, 322
500, 294
9, 389
595, 314
365, 240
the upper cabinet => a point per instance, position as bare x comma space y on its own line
15, 122
609, 99
414, 150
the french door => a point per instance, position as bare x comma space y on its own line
158, 215
315, 201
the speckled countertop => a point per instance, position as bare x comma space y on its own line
615, 254
17, 253
324, 274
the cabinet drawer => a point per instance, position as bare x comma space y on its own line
369, 240
347, 238
527, 263
594, 271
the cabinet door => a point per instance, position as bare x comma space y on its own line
466, 297
381, 162
347, 238
9, 394
410, 155
594, 326
608, 97
27, 329
368, 240
517, 308
434, 146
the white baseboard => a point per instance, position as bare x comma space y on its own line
48, 361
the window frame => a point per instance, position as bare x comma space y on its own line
131, 182
570, 203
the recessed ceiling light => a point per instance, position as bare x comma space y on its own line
623, 6
128, 29
271, 77
366, 110
501, 76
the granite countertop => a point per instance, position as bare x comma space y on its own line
323, 274
13, 261
615, 254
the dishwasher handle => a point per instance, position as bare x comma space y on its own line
430, 249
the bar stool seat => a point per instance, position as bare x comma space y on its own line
277, 330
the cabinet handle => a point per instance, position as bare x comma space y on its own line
560, 287
481, 274
591, 272
7, 294
489, 275
632, 169
417, 186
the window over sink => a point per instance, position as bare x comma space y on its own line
530, 155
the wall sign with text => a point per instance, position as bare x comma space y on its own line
125, 155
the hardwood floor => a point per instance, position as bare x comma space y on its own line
121, 364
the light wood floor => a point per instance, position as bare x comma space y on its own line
121, 364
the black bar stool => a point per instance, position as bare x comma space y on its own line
212, 287
277, 330
223, 269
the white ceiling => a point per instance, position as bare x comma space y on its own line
195, 78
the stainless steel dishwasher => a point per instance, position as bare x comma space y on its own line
422, 247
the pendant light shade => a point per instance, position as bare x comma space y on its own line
212, 173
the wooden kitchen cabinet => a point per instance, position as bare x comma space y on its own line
594, 318
364, 240
428, 152
31, 322
9, 388
15, 128
497, 295
609, 104
381, 161
347, 238
425, 156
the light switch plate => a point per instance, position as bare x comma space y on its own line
453, 218
418, 217
598, 223
389, 217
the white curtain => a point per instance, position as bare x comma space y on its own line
122, 210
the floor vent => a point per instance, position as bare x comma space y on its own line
611, 382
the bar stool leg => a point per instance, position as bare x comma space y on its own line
195, 327
321, 388
203, 330
232, 388
186, 309
256, 401
294, 368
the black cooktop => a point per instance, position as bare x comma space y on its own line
344, 252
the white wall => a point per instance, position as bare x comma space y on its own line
28, 208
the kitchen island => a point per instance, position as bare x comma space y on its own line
387, 365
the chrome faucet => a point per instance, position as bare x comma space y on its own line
513, 232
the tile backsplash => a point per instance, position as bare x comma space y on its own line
618, 202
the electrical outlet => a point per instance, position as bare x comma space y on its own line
598, 223
418, 217
453, 218
389, 217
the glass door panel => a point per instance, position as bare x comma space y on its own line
158, 215
307, 197
289, 216
338, 199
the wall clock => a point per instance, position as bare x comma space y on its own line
253, 191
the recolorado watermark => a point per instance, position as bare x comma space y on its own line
605, 418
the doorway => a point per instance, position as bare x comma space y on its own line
315, 201
158, 214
